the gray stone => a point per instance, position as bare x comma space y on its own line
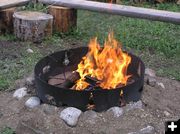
30, 50
20, 93
150, 72
90, 116
147, 130
70, 115
166, 113
151, 81
117, 111
134, 105
32, 102
161, 85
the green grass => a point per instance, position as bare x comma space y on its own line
13, 69
7, 130
157, 43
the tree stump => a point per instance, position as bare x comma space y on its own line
6, 20
64, 18
32, 26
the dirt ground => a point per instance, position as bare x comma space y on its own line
159, 105
156, 103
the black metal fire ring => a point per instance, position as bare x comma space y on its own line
52, 65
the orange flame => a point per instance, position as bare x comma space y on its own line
108, 64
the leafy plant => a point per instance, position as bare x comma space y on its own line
7, 130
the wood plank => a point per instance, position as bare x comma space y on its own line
4, 4
128, 11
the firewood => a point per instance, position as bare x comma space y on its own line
64, 18
32, 26
66, 83
70, 81
92, 81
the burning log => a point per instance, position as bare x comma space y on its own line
32, 26
92, 81
66, 83
64, 18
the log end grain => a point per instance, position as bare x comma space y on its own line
32, 26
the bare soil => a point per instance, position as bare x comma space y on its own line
156, 101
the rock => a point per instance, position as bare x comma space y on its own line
70, 115
178, 2
161, 85
151, 81
150, 72
30, 50
166, 113
147, 130
30, 81
32, 102
135, 105
117, 111
90, 116
20, 93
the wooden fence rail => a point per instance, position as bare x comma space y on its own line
4, 4
129, 11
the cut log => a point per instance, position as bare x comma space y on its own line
32, 26
6, 21
68, 83
4, 4
64, 18
129, 11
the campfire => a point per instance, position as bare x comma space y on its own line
96, 77
108, 65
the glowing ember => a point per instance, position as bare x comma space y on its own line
108, 64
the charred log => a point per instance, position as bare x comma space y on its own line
92, 81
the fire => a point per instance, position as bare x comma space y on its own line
108, 64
